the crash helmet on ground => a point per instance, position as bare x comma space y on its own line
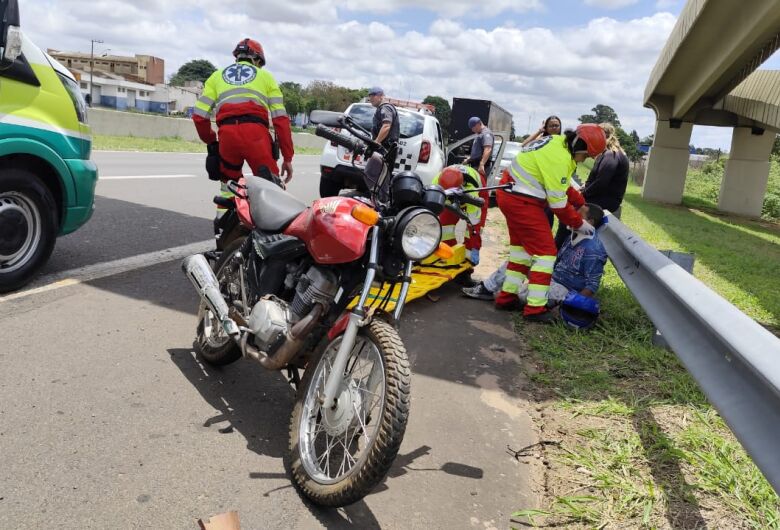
579, 312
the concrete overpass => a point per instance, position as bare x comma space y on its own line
706, 75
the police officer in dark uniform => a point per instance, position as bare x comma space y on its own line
386, 129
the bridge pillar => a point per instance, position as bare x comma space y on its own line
747, 171
667, 164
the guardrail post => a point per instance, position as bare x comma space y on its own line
685, 261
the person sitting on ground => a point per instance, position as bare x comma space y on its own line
579, 267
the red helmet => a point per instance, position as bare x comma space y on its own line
451, 177
250, 49
594, 138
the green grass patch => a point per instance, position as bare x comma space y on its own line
643, 448
171, 144
167, 144
702, 188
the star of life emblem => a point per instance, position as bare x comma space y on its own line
239, 74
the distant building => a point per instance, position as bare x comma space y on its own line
141, 68
115, 92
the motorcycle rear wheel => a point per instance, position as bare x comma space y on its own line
337, 457
213, 344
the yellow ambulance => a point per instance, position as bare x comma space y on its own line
47, 181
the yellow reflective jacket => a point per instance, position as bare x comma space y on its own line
543, 169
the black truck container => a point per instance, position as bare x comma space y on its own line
491, 114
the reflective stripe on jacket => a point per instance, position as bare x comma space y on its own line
542, 169
241, 82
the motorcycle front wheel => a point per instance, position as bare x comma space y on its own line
338, 456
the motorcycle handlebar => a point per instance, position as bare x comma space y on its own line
343, 140
457, 211
479, 202
459, 195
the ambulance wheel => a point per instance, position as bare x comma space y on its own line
28, 227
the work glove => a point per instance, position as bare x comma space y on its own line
585, 229
213, 161
474, 256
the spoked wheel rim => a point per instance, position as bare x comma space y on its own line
21, 232
335, 443
212, 330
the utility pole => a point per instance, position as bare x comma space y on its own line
92, 66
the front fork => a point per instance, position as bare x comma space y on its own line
358, 318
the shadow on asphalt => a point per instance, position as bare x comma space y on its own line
258, 404
251, 400
459, 339
120, 229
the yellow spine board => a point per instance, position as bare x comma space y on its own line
427, 277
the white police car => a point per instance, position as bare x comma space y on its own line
420, 148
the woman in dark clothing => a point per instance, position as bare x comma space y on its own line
606, 182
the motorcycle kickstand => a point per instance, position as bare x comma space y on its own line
293, 377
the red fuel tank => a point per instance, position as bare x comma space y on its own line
330, 232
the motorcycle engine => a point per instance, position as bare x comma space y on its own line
317, 285
270, 323
272, 318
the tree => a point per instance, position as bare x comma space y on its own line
325, 95
442, 111
293, 98
601, 113
776, 146
195, 70
629, 143
512, 132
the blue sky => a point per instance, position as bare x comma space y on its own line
533, 57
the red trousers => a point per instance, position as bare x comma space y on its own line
531, 254
250, 142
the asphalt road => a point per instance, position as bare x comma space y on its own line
108, 420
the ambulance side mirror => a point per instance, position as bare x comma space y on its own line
10, 34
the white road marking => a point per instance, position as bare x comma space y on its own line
134, 177
58, 280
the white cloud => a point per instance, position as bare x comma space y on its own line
532, 72
453, 8
610, 4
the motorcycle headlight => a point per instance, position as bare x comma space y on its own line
418, 232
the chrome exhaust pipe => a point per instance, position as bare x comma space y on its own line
205, 281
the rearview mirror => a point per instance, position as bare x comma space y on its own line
10, 34
327, 118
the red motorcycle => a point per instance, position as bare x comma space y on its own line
280, 296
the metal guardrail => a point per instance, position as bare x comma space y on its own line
735, 361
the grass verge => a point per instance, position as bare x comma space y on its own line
636, 443
169, 144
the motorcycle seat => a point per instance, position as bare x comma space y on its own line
271, 207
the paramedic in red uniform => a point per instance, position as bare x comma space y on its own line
541, 175
245, 98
